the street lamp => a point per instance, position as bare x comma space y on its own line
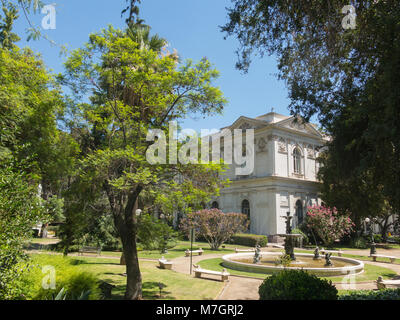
373, 245
165, 242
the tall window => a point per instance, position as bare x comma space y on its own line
246, 209
299, 211
297, 161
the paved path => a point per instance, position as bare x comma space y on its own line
237, 288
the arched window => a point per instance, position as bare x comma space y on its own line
299, 211
297, 160
246, 209
215, 205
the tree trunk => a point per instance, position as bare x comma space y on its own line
134, 278
126, 224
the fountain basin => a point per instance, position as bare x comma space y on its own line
345, 266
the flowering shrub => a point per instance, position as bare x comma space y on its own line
328, 223
296, 285
214, 225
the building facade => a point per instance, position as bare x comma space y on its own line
284, 178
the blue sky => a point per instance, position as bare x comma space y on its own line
192, 28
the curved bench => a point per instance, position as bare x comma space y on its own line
381, 284
374, 256
199, 271
187, 252
165, 264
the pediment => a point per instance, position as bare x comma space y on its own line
245, 123
299, 125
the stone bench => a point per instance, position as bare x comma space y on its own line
96, 250
244, 250
199, 271
165, 264
381, 284
374, 256
339, 253
187, 252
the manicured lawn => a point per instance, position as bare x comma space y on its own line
370, 272
177, 251
182, 246
177, 286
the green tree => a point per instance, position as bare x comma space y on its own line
358, 193
134, 90
215, 226
7, 37
348, 77
20, 210
153, 233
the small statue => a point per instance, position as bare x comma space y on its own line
288, 224
316, 254
328, 262
257, 255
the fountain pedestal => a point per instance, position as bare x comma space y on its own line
289, 244
289, 237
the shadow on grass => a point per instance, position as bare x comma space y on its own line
76, 262
151, 291
389, 275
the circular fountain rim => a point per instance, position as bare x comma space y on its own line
357, 266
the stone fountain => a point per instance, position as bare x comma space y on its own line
289, 237
312, 263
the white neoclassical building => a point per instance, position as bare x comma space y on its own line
284, 176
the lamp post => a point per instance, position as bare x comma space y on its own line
165, 240
369, 226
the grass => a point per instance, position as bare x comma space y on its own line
182, 246
177, 286
371, 272
177, 251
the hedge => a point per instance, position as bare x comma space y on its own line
249, 240
383, 294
